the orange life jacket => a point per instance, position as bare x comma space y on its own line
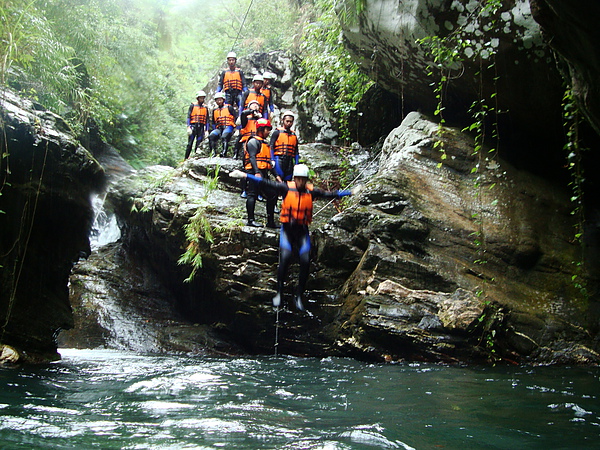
263, 158
199, 114
286, 143
222, 116
297, 207
249, 130
260, 98
232, 80
267, 93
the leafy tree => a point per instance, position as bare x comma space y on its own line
133, 65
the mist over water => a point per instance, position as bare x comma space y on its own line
111, 399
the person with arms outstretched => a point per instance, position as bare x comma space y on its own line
296, 215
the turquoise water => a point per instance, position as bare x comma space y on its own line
109, 399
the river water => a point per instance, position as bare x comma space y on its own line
111, 400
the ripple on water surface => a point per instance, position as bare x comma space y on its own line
111, 399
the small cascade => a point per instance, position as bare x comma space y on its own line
105, 229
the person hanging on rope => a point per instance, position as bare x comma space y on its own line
254, 94
267, 91
296, 216
197, 122
223, 121
284, 147
232, 82
257, 163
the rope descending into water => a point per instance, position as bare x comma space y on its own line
276, 330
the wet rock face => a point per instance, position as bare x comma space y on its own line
447, 261
47, 180
422, 265
523, 74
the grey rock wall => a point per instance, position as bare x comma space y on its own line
523, 73
46, 182
421, 265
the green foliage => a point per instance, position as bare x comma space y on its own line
490, 320
131, 65
329, 74
572, 120
34, 59
199, 229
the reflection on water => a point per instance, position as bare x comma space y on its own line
109, 399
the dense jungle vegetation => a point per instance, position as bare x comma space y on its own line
133, 66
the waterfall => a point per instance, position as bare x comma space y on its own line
108, 298
104, 228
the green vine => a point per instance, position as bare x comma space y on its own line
448, 55
572, 119
329, 75
199, 228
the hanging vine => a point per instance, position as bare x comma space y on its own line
448, 54
572, 119
199, 228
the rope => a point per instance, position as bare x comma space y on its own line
277, 331
351, 183
242, 25
21, 264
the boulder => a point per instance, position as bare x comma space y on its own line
452, 253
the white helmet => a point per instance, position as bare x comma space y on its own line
231, 55
219, 95
200, 94
288, 113
301, 170
258, 78
269, 75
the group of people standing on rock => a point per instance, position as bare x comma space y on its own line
262, 159
232, 96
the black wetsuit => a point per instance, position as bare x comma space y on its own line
293, 237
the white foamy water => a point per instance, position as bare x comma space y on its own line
114, 399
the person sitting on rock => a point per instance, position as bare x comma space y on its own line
296, 216
257, 161
223, 121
